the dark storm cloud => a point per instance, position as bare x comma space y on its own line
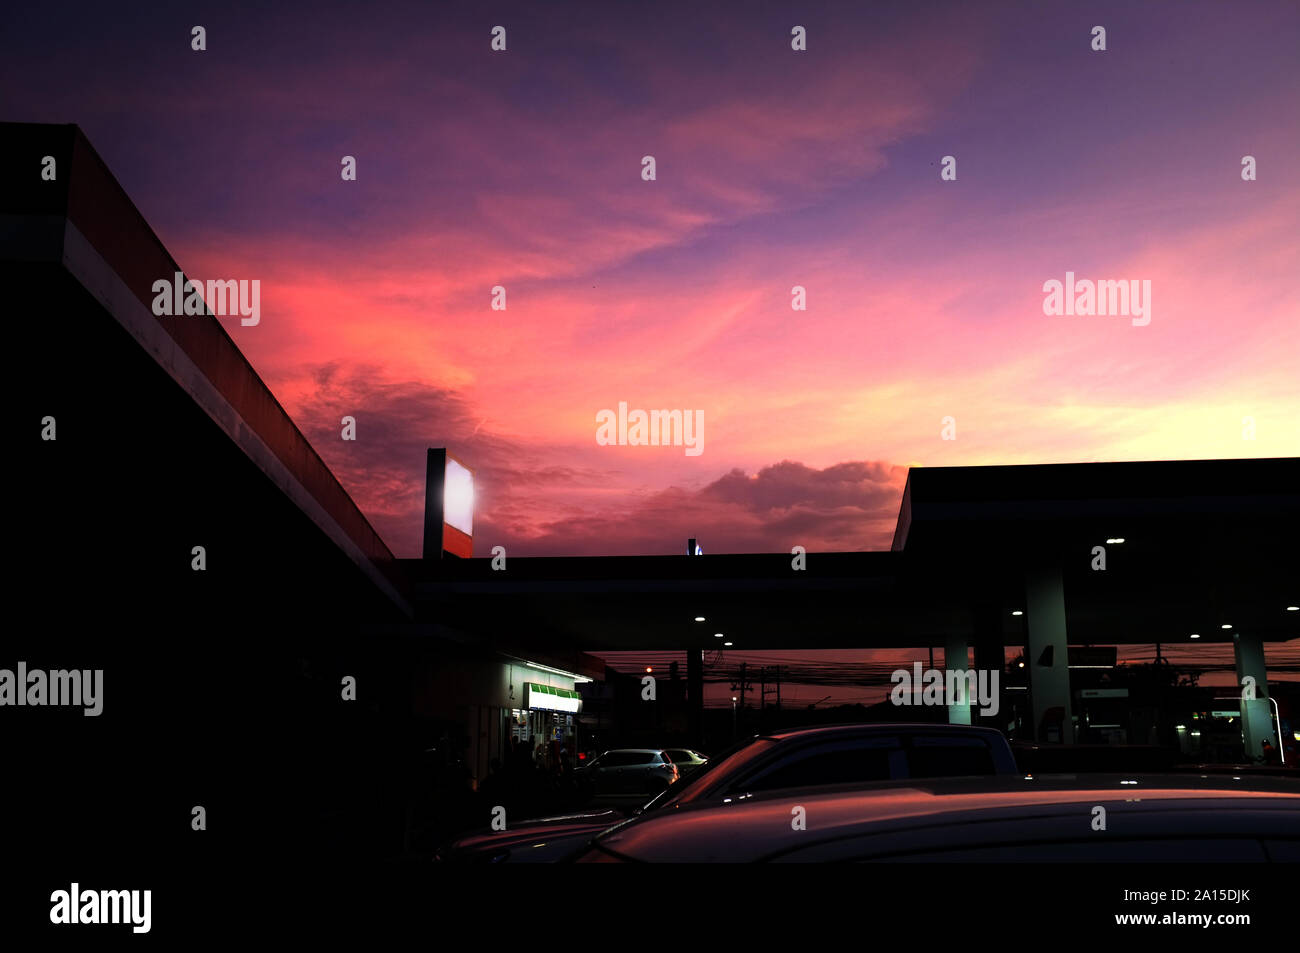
849, 505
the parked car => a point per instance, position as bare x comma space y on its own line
1164, 818
1085, 758
639, 771
1043, 759
686, 759
543, 840
806, 756
837, 754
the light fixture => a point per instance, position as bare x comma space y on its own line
1226, 625
1293, 608
728, 643
1020, 665
1115, 540
558, 671
1194, 635
717, 635
1017, 612
699, 618
649, 669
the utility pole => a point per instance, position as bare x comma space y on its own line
776, 671
742, 692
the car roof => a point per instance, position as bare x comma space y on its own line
632, 751
814, 731
758, 826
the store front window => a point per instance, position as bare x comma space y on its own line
548, 735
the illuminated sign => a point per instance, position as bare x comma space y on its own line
547, 698
448, 507
458, 498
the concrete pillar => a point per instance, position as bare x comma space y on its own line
1048, 655
695, 696
990, 656
1256, 714
955, 659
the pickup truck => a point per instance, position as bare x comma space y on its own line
796, 758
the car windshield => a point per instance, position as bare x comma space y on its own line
699, 782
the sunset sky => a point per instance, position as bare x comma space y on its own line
775, 168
